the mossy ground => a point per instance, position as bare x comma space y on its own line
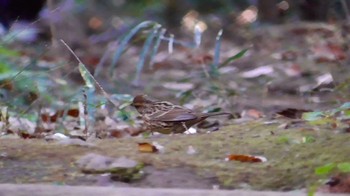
290, 162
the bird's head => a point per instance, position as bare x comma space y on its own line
140, 101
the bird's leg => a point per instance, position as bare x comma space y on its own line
184, 125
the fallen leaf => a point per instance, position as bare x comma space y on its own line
46, 117
293, 70
260, 71
7, 85
147, 147
73, 112
328, 53
292, 113
245, 158
57, 137
324, 79
252, 113
26, 135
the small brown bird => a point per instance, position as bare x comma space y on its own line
165, 117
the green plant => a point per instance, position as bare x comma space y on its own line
326, 169
333, 117
155, 34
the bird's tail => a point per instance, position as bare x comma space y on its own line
217, 114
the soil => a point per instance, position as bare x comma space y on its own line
290, 162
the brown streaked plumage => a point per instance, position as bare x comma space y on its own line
165, 117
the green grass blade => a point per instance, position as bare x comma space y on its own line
156, 47
126, 40
236, 56
171, 44
144, 53
217, 49
85, 74
197, 36
8, 52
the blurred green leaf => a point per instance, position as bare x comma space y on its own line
125, 40
4, 67
184, 96
123, 115
323, 121
156, 46
345, 106
236, 56
122, 97
325, 169
309, 139
347, 113
217, 109
214, 72
124, 105
312, 190
217, 49
283, 140
85, 74
8, 52
230, 92
215, 88
126, 98
344, 167
144, 52
312, 116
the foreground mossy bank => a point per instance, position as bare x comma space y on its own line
291, 159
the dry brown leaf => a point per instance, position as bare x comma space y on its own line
328, 53
147, 147
292, 113
253, 113
245, 158
45, 117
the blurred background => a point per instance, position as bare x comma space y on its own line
94, 17
210, 54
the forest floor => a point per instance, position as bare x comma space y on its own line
290, 94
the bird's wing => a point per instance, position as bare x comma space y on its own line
174, 115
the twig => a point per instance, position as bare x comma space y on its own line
85, 131
107, 96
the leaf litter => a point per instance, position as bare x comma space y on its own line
252, 75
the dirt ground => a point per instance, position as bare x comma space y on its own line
290, 163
